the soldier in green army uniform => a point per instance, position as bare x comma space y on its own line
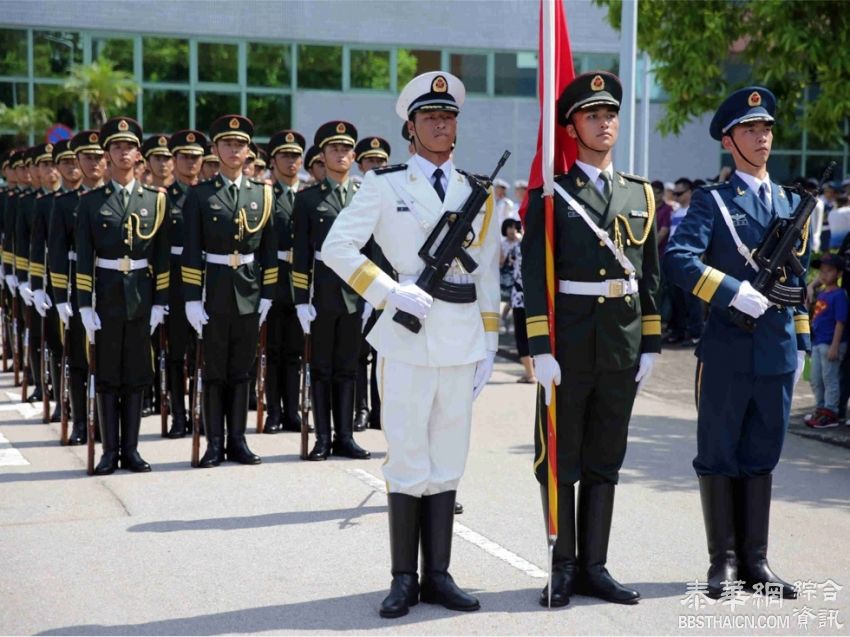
23, 185
333, 310
608, 331
285, 342
159, 160
122, 265
187, 148
315, 164
62, 264
5, 192
228, 294
210, 167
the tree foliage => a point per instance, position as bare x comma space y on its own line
699, 48
23, 119
108, 91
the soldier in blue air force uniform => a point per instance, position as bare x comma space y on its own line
744, 381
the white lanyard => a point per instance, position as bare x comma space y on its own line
742, 249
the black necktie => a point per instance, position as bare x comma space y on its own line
340, 194
763, 195
290, 196
234, 194
606, 185
438, 184
125, 198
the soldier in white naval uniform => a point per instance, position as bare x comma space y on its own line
428, 379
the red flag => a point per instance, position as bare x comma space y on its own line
565, 146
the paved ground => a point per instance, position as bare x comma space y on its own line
295, 547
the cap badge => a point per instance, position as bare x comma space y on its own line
48, 148
162, 141
375, 143
234, 123
439, 85
190, 138
123, 126
93, 138
340, 128
755, 99
597, 83
290, 138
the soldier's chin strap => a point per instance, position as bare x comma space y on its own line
418, 140
740, 152
582, 142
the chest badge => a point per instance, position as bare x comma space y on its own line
253, 205
143, 212
740, 220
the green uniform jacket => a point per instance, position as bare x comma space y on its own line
316, 209
38, 240
214, 226
176, 228
594, 333
23, 229
104, 229
61, 241
284, 231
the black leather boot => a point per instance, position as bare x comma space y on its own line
564, 564
595, 510
322, 419
179, 419
361, 396
272, 425
55, 379
109, 417
237, 421
291, 418
752, 516
35, 366
213, 410
343, 410
131, 421
718, 512
404, 514
77, 391
437, 586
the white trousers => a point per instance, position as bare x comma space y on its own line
426, 413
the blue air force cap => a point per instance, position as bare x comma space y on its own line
753, 103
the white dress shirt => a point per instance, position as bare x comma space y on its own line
428, 169
755, 184
594, 175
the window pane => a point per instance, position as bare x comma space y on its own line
165, 111
218, 62
472, 69
165, 60
269, 65
516, 74
269, 113
412, 62
55, 51
586, 62
320, 67
370, 69
120, 51
13, 52
209, 106
13, 93
65, 107
784, 168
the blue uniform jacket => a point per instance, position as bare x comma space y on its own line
702, 259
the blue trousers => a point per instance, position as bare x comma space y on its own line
741, 422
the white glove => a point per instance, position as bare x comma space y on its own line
196, 316
11, 282
42, 302
158, 314
483, 370
65, 313
26, 293
647, 361
410, 298
306, 315
750, 301
801, 363
265, 306
364, 317
547, 371
90, 321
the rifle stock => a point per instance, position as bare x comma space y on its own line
306, 388
90, 410
196, 404
163, 384
261, 377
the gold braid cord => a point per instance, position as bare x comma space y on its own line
137, 231
804, 240
242, 220
620, 219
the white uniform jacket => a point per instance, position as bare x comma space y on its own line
399, 206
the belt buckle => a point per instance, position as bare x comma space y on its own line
124, 264
616, 288
233, 260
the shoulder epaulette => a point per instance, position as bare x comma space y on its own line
718, 186
59, 195
259, 182
390, 169
631, 177
315, 186
94, 190
153, 188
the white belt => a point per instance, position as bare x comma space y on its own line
612, 288
124, 264
177, 250
317, 255
234, 260
72, 256
284, 255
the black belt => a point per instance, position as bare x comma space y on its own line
455, 292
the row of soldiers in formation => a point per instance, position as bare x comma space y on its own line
104, 257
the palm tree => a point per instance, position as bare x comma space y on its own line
106, 89
23, 119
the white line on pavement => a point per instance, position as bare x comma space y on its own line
9, 456
26, 410
473, 537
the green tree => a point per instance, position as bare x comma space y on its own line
699, 48
107, 90
23, 119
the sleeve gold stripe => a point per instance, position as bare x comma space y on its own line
536, 319
708, 284
270, 278
651, 328
83, 275
363, 277
491, 324
299, 285
190, 279
537, 329
59, 279
186, 268
801, 324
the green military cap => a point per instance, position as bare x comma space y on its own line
4, 159
16, 157
252, 150
29, 155
286, 141
62, 150
335, 132
87, 141
191, 142
312, 156
372, 147
233, 126
209, 155
42, 153
753, 103
156, 145
120, 129
597, 88
261, 161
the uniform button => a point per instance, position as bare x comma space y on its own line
782, 279
104, 225
215, 218
602, 272
601, 243
601, 299
236, 236
628, 300
174, 221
